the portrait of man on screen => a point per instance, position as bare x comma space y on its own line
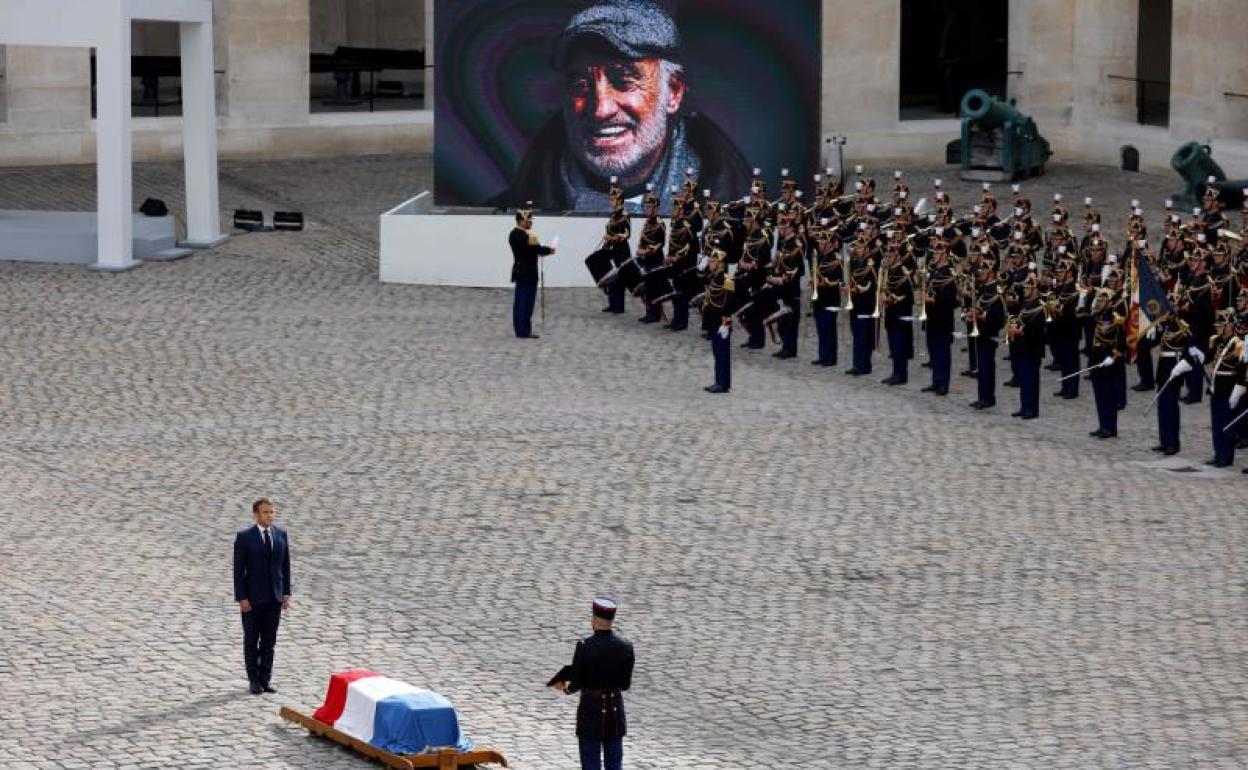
622, 90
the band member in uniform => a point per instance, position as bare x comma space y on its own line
940, 296
717, 309
1109, 345
1174, 338
1064, 331
1226, 349
827, 276
681, 261
618, 231
751, 276
1198, 313
650, 251
863, 287
1028, 332
898, 297
988, 313
601, 671
526, 249
786, 276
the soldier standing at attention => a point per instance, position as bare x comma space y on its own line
526, 249
601, 670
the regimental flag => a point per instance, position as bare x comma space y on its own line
389, 714
1148, 303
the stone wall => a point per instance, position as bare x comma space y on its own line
1061, 56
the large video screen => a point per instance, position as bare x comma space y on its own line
547, 100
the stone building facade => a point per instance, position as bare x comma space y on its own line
1074, 65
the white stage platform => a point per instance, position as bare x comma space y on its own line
72, 237
422, 246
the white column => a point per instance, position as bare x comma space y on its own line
199, 136
114, 181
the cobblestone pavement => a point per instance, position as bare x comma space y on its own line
818, 571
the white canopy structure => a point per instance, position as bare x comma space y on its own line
105, 26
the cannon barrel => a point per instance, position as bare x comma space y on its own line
989, 111
1194, 162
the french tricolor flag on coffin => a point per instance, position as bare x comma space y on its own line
389, 714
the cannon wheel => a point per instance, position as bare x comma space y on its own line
445, 759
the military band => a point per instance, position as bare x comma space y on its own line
1014, 289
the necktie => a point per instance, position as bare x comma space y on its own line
267, 543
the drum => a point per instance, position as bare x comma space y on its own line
760, 306
600, 265
688, 282
658, 285
629, 276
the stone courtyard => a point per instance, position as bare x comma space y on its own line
818, 572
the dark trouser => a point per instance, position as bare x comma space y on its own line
972, 360
758, 335
940, 352
1028, 380
680, 311
259, 639
1120, 381
594, 751
653, 312
721, 348
864, 342
1196, 377
986, 378
615, 297
899, 351
1067, 354
825, 328
1168, 412
1106, 399
1144, 362
1224, 441
789, 327
522, 308
1014, 356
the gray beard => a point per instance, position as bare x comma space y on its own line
668, 172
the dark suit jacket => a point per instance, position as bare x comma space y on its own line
261, 576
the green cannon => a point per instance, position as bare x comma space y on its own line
1194, 162
999, 143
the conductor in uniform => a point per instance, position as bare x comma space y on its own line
526, 249
601, 670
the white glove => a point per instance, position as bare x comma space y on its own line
1243, 353
704, 263
1109, 361
1152, 333
1236, 395
724, 332
1195, 353
1181, 368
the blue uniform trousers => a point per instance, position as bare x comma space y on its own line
522, 308
986, 355
1067, 354
1169, 416
721, 349
899, 352
864, 342
680, 310
594, 751
940, 353
1028, 381
615, 297
825, 329
1106, 399
1220, 413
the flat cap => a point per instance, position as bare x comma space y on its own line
638, 29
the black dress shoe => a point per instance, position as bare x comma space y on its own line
926, 364
715, 389
940, 391
889, 381
817, 362
928, 389
853, 372
1069, 396
1011, 383
677, 327
1159, 448
1141, 387
618, 311
969, 373
1191, 400
898, 381
977, 404
268, 688
1212, 461
986, 405
255, 688
608, 309
1244, 471
829, 363
784, 354
1223, 464
1019, 413
648, 320
532, 337
1098, 433
1170, 450
1030, 416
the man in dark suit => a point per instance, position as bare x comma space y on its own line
262, 590
601, 670
526, 250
